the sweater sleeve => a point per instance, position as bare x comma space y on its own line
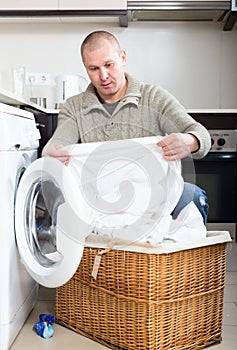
67, 131
178, 120
173, 118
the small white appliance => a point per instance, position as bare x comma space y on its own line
19, 141
68, 85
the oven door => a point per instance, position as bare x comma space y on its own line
216, 174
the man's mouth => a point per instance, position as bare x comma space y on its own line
106, 85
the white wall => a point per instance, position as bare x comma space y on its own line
196, 61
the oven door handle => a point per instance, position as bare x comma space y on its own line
216, 156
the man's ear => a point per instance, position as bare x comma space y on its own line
123, 56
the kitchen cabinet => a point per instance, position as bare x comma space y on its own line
93, 8
92, 5
63, 5
64, 8
29, 5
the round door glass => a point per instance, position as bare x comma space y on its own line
43, 200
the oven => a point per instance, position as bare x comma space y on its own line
216, 174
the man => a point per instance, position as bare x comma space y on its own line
116, 106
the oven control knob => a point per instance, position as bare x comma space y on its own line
221, 142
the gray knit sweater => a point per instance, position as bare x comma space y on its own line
145, 110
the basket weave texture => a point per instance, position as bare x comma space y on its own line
147, 301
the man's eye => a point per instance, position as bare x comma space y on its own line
93, 69
109, 64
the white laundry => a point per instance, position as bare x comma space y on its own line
188, 227
129, 189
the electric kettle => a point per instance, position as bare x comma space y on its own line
68, 85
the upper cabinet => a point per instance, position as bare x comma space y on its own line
92, 5
114, 8
20, 9
29, 5
63, 5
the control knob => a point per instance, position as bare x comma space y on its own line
221, 142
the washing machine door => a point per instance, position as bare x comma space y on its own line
51, 222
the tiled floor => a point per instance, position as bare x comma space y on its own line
66, 339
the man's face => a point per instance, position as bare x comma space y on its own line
105, 69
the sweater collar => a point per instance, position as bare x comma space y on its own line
132, 96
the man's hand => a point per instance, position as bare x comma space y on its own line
177, 146
56, 151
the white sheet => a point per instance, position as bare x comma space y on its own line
130, 191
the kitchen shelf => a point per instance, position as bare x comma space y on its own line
11, 99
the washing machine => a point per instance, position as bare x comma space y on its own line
19, 141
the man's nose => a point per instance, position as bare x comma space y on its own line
103, 74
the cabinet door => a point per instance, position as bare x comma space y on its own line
29, 5
92, 5
47, 125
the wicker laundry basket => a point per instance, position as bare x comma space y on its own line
140, 301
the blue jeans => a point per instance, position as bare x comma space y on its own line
193, 193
